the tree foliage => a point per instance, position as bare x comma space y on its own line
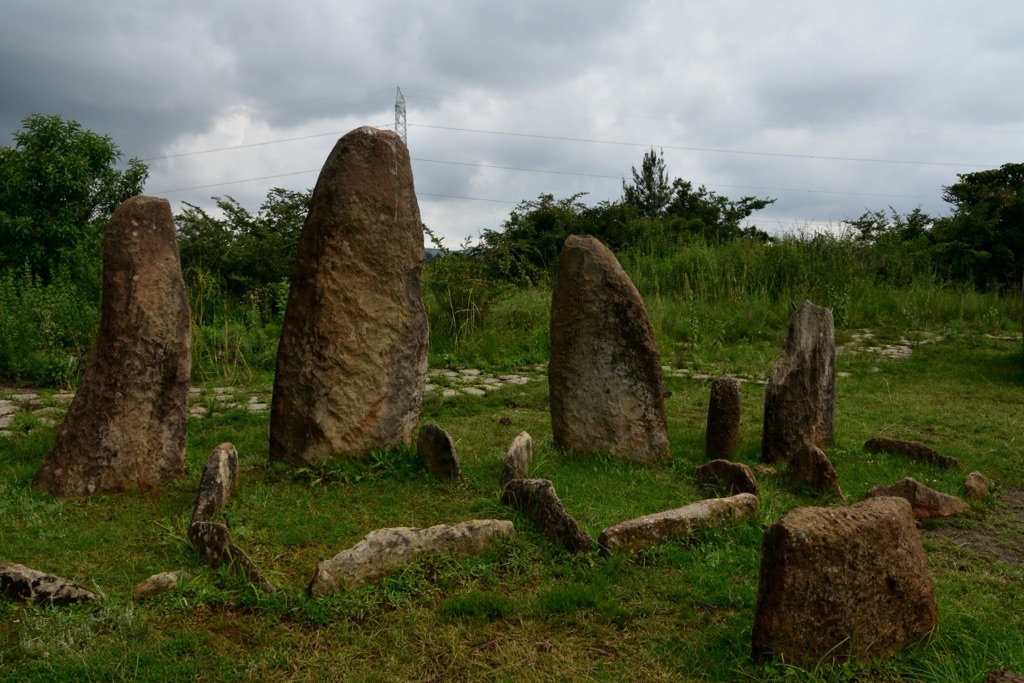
650, 192
983, 240
59, 184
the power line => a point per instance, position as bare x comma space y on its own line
701, 149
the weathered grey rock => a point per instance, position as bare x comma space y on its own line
800, 399
218, 483
1003, 676
810, 467
727, 477
352, 361
846, 582
912, 450
517, 459
215, 545
536, 500
926, 502
605, 381
673, 525
22, 584
439, 452
976, 486
723, 429
382, 551
158, 584
125, 428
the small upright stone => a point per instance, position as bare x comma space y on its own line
810, 467
800, 399
125, 428
439, 452
218, 483
606, 388
517, 460
847, 582
352, 361
536, 499
723, 432
976, 486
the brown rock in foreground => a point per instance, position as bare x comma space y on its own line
842, 583
976, 486
926, 502
536, 500
352, 361
723, 428
673, 525
20, 583
382, 551
125, 428
800, 399
727, 477
912, 450
606, 388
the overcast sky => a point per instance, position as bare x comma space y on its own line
833, 108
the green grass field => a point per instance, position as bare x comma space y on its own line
526, 611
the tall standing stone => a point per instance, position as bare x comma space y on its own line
125, 428
723, 432
800, 400
352, 361
605, 372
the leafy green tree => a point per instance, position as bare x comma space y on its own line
983, 240
873, 225
649, 193
713, 217
59, 184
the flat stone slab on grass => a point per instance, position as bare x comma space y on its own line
673, 525
842, 583
912, 450
927, 503
22, 584
536, 499
381, 552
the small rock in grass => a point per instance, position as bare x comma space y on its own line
537, 500
811, 467
927, 503
22, 584
976, 486
1003, 676
215, 545
439, 452
912, 450
218, 483
729, 477
158, 584
517, 459
671, 525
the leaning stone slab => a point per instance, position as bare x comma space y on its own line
912, 450
536, 499
517, 459
673, 525
810, 467
125, 428
926, 502
352, 360
976, 486
215, 545
218, 483
158, 584
19, 583
438, 450
382, 551
728, 477
842, 583
800, 399
605, 379
723, 428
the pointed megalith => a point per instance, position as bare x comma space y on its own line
125, 428
605, 376
352, 361
800, 400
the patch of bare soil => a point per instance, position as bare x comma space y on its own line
997, 535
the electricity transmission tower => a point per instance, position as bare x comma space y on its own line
400, 115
